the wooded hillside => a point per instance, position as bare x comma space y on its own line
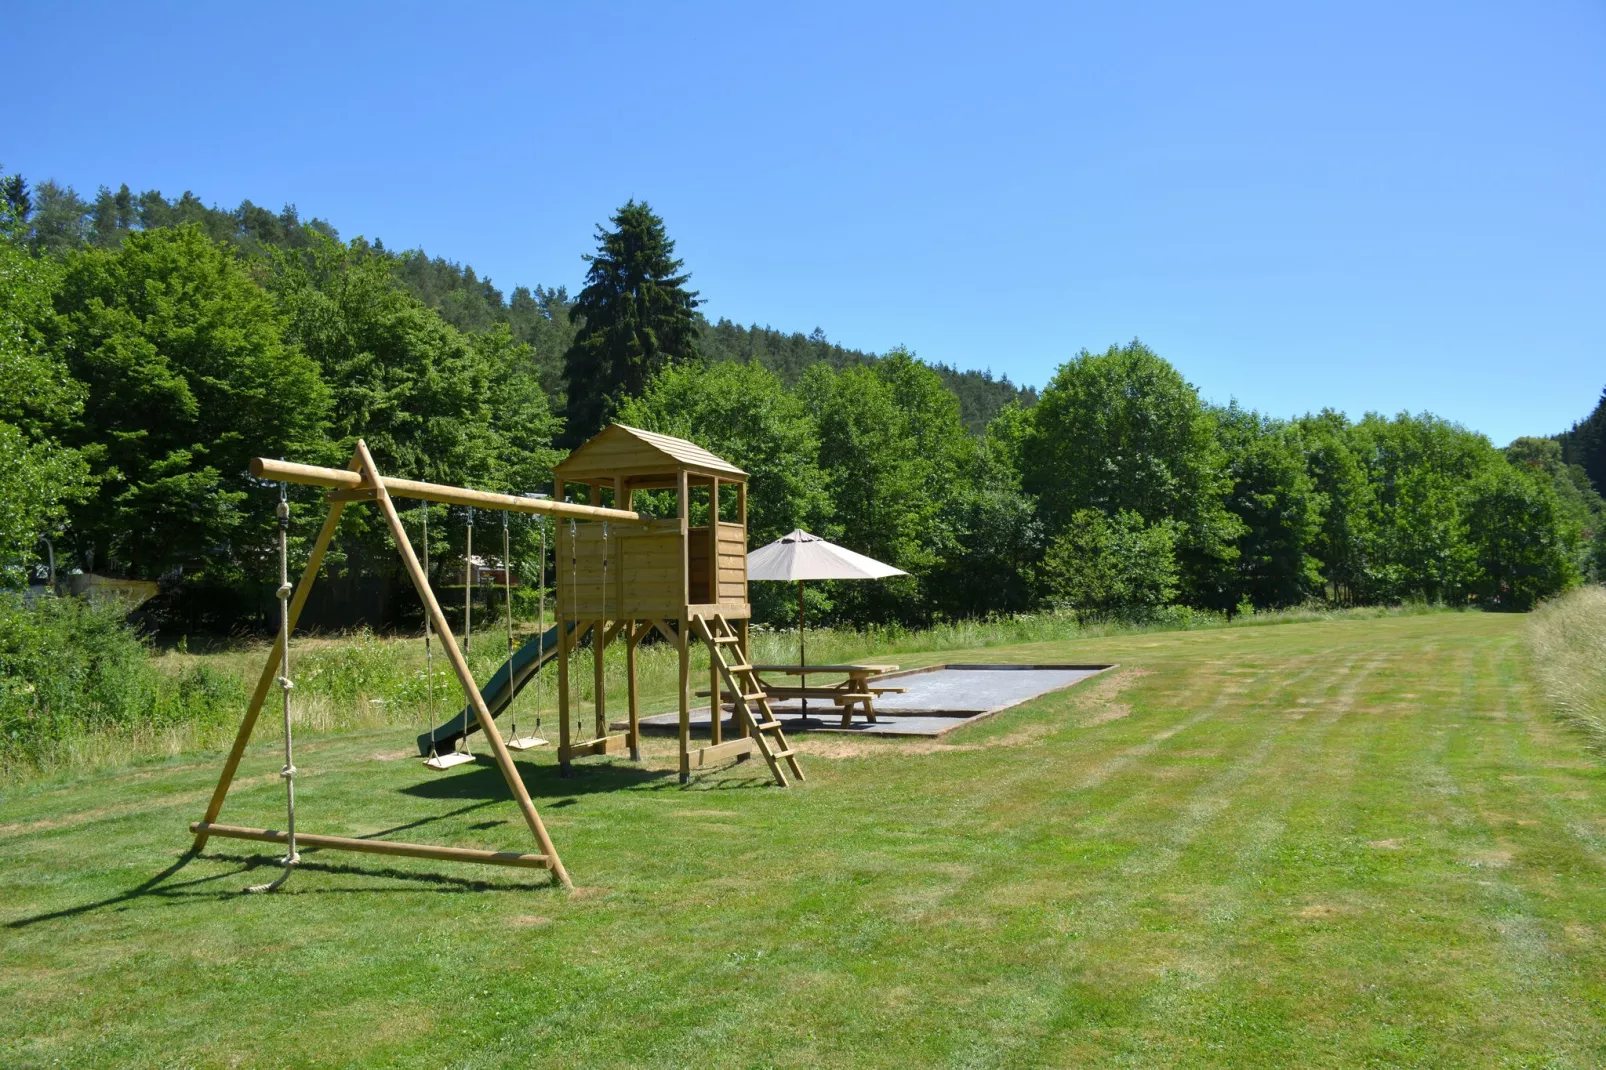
152, 344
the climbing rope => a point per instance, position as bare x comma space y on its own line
288, 772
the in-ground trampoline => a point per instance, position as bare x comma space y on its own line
936, 700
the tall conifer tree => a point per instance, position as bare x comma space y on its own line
637, 316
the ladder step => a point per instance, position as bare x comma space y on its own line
727, 639
754, 697
738, 668
783, 753
769, 726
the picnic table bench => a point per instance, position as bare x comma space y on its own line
857, 689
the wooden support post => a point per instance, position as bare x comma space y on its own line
632, 691
683, 637
715, 728
742, 729
504, 760
683, 641
566, 641
270, 670
599, 701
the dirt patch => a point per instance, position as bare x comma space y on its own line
388, 755
1495, 859
526, 921
590, 892
1384, 845
1321, 910
704, 813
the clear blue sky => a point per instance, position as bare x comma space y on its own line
1369, 206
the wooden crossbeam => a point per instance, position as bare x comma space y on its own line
374, 847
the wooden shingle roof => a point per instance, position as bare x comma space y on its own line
619, 448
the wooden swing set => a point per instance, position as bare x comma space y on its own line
695, 577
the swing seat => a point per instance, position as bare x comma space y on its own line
525, 743
443, 762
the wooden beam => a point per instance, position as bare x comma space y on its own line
683, 641
313, 476
715, 728
718, 752
599, 687
375, 847
270, 671
504, 760
601, 745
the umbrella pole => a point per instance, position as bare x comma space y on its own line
802, 655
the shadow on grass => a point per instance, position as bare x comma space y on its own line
156, 888
484, 781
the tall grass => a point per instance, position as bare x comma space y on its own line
176, 701
1568, 639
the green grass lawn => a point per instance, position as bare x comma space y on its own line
1345, 843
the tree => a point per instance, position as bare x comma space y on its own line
637, 319
744, 414
188, 376
1584, 444
39, 478
1335, 456
1123, 430
431, 402
1418, 467
1279, 507
1099, 563
1522, 545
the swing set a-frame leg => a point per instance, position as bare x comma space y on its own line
504, 760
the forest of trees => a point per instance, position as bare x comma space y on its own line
149, 346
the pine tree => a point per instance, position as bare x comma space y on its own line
637, 319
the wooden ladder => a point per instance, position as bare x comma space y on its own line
752, 704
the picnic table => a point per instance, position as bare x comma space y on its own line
857, 689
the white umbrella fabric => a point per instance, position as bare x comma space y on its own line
798, 556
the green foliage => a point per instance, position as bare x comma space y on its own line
1336, 456
39, 478
1103, 562
1584, 444
637, 319
39, 481
743, 413
188, 376
71, 667
431, 402
1278, 507
1124, 431
1521, 545
894, 451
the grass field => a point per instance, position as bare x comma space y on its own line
1357, 842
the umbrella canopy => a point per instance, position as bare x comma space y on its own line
798, 556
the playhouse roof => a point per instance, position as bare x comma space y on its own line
630, 450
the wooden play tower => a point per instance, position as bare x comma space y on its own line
620, 581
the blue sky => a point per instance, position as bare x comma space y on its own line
1364, 206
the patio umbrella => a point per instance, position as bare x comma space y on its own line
797, 557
